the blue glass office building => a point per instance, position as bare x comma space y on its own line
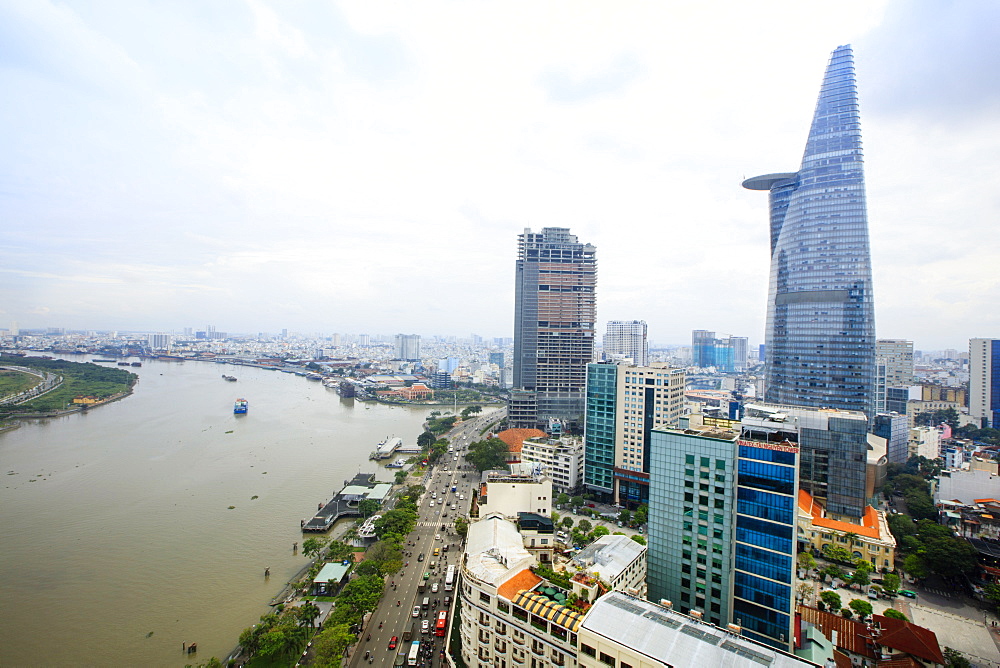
764, 562
722, 518
820, 337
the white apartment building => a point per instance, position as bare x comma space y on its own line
626, 339
560, 459
522, 489
925, 442
618, 561
648, 398
506, 623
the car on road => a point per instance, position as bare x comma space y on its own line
907, 593
431, 504
393, 641
437, 551
420, 557
434, 588
416, 611
437, 536
425, 626
447, 600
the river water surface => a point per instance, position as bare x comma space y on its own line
118, 544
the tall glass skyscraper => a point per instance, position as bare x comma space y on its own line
554, 312
820, 334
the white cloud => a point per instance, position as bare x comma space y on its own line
375, 161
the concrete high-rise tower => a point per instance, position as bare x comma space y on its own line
627, 339
820, 337
984, 381
407, 347
554, 313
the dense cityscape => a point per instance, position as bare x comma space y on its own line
811, 500
702, 476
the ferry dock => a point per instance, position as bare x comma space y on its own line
345, 503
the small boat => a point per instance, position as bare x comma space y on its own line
100, 360
241, 407
231, 379
136, 363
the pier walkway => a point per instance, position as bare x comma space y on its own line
345, 503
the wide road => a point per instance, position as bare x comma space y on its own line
449, 471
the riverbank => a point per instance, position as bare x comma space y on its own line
73, 387
77, 408
169, 497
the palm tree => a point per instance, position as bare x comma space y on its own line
307, 613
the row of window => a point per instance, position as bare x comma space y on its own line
603, 657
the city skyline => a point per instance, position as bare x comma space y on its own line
307, 167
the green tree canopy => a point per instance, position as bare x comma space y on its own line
641, 514
806, 560
890, 582
562, 499
600, 530
861, 607
461, 525
329, 646
398, 521
915, 566
339, 551
638, 538
832, 600
426, 439
894, 614
368, 507
311, 547
585, 526
488, 454
362, 593
568, 522
949, 556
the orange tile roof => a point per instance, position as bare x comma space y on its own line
514, 438
868, 527
520, 582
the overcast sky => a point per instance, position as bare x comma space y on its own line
367, 166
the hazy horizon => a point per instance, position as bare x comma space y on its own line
323, 167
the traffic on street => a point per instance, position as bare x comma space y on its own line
409, 626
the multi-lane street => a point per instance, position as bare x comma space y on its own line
438, 507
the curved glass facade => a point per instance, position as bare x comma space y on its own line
820, 337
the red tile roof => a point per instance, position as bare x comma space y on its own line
850, 634
909, 638
520, 582
514, 438
900, 662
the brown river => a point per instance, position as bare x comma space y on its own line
118, 542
